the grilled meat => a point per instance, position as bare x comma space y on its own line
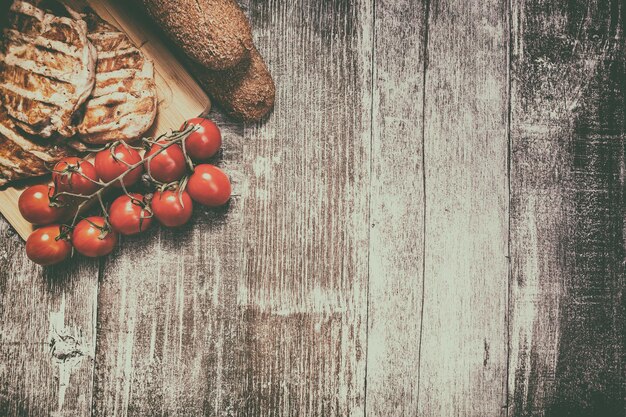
21, 155
123, 103
47, 67
51, 86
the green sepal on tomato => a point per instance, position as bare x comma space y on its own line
172, 208
113, 161
93, 237
204, 140
130, 214
48, 245
75, 175
169, 165
38, 205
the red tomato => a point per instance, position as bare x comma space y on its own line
205, 141
34, 205
209, 185
128, 216
169, 165
45, 246
69, 175
168, 210
91, 237
112, 162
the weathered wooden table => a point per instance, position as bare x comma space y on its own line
431, 223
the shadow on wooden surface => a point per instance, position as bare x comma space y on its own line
567, 137
431, 223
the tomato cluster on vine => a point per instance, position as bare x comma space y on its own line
177, 176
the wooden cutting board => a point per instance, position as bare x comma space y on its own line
180, 97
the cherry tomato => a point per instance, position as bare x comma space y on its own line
69, 175
34, 205
169, 165
45, 246
112, 162
205, 141
91, 237
128, 215
168, 210
209, 185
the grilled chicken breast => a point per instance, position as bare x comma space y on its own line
47, 67
21, 155
123, 104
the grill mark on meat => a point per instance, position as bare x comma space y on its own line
53, 74
31, 26
27, 9
120, 84
57, 99
108, 41
9, 131
16, 163
123, 103
63, 33
146, 72
24, 23
35, 113
21, 156
40, 42
112, 61
50, 45
117, 105
40, 57
62, 28
33, 82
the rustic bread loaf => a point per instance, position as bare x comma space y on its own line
214, 33
246, 92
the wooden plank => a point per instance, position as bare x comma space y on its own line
47, 333
48, 316
260, 309
178, 92
166, 304
464, 345
397, 209
567, 183
305, 258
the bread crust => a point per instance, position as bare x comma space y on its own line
246, 92
213, 33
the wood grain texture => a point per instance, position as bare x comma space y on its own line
47, 333
464, 346
48, 316
567, 222
260, 310
397, 209
165, 323
306, 217
362, 267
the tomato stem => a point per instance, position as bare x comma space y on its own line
172, 138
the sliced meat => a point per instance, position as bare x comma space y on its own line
123, 103
47, 67
21, 155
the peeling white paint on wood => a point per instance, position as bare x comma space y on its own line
68, 348
47, 337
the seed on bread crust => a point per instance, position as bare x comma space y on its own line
246, 92
214, 33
